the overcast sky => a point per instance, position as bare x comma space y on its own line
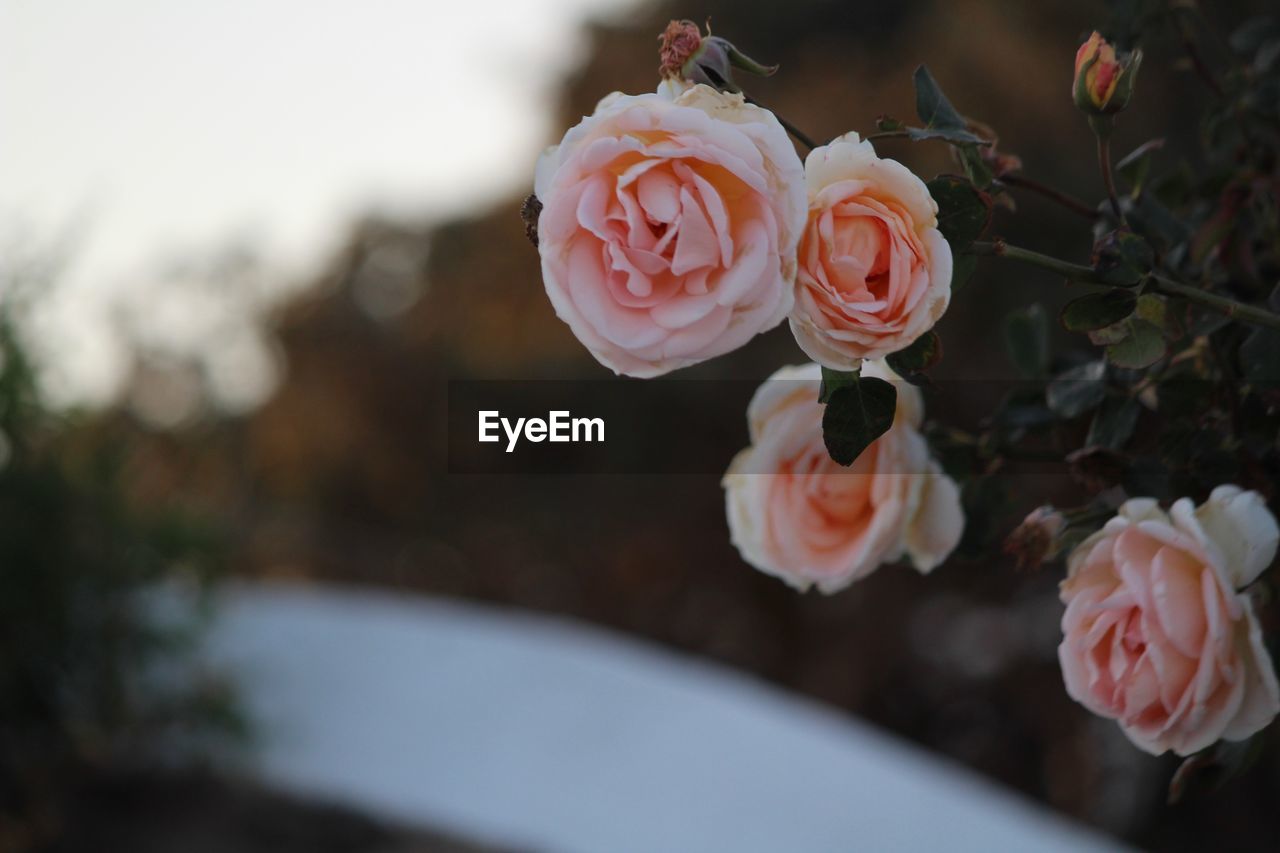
156, 129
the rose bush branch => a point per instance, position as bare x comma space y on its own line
675, 225
1071, 203
1161, 282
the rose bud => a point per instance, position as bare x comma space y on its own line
689, 57
1035, 540
1104, 78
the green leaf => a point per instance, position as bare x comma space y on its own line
924, 353
1122, 258
1098, 310
931, 105
1136, 165
1112, 426
954, 135
833, 380
1143, 347
858, 412
964, 211
889, 124
962, 267
1113, 334
1149, 217
1153, 308
975, 168
1026, 337
1078, 390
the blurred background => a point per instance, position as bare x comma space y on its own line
243, 248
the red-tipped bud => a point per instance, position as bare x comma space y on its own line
1104, 78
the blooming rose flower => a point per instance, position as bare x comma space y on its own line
875, 273
669, 227
796, 514
1157, 635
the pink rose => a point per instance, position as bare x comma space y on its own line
1157, 635
874, 272
669, 227
796, 514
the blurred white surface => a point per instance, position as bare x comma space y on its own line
527, 731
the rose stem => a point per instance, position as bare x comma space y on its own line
1104, 163
1075, 205
1162, 283
790, 128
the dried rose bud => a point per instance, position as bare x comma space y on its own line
687, 55
1036, 538
1104, 78
680, 41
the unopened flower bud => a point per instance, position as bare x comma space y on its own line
1036, 539
1104, 78
689, 56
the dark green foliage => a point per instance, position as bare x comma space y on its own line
1026, 337
859, 410
912, 362
80, 647
964, 212
1098, 310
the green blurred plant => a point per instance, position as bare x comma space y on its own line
94, 669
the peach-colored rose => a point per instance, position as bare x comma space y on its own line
669, 226
1157, 635
874, 272
796, 514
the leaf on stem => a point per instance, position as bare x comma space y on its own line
962, 267
955, 135
1142, 347
912, 362
1135, 167
859, 410
964, 211
1098, 310
932, 106
1122, 258
834, 380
